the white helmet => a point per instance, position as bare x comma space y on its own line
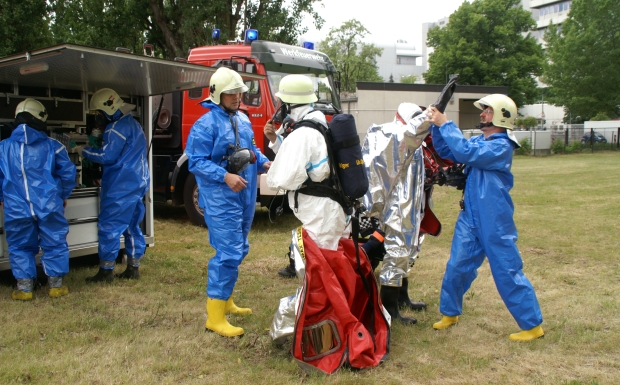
225, 81
108, 101
33, 107
296, 89
406, 111
504, 109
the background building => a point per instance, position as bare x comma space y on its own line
546, 12
399, 59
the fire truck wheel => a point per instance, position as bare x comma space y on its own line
190, 199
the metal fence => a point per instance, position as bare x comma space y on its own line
577, 138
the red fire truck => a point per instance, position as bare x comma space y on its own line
176, 112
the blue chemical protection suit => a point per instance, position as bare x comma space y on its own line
228, 214
36, 176
485, 227
125, 181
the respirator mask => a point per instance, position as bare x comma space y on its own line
240, 157
282, 116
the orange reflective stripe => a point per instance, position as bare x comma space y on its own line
379, 237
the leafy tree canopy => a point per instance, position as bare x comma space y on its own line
409, 79
355, 59
583, 59
23, 26
527, 122
600, 116
171, 26
484, 43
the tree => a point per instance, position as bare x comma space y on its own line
391, 79
174, 26
583, 59
599, 117
99, 23
355, 59
527, 122
23, 26
484, 43
409, 79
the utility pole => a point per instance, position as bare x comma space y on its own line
542, 106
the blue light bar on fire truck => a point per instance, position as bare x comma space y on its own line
215, 35
308, 45
250, 36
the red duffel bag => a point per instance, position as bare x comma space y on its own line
340, 319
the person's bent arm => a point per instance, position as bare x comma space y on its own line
114, 143
486, 154
437, 120
440, 145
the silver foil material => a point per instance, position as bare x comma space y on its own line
25, 285
106, 264
283, 324
395, 166
54, 282
135, 262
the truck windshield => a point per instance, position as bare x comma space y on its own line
328, 101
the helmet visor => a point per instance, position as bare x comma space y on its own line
237, 90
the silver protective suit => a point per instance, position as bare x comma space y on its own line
284, 320
395, 165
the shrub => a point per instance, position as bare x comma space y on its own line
574, 147
526, 147
557, 146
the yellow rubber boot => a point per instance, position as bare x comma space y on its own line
528, 335
234, 309
216, 319
20, 295
445, 322
56, 292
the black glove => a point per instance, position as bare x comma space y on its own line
375, 247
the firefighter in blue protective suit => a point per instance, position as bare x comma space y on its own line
485, 226
124, 183
36, 178
224, 158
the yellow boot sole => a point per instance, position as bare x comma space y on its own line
56, 292
19, 295
445, 322
231, 308
528, 335
225, 330
216, 319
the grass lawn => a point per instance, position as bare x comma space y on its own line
151, 331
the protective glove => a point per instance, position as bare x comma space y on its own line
375, 247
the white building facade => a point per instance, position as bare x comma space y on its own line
399, 59
546, 12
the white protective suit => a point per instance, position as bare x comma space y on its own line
303, 155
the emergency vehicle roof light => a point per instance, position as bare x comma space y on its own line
215, 35
250, 36
308, 45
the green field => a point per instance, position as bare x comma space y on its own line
151, 331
